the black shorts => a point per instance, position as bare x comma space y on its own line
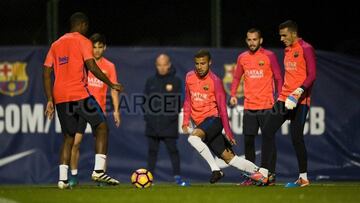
72, 114
253, 120
214, 138
82, 124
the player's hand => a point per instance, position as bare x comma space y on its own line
117, 118
292, 100
231, 140
233, 101
185, 129
49, 111
118, 87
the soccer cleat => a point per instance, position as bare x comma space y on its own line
216, 176
179, 181
63, 184
258, 177
102, 177
73, 181
272, 179
246, 182
298, 183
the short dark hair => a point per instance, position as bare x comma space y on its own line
96, 37
78, 18
290, 25
202, 53
253, 30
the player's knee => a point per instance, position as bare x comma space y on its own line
102, 127
198, 133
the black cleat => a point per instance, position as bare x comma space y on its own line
216, 176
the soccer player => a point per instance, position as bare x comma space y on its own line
98, 89
162, 125
261, 71
68, 56
294, 99
205, 105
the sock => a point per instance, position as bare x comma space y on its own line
74, 172
204, 151
221, 163
264, 172
63, 172
303, 176
243, 164
100, 160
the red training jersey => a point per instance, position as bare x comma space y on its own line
261, 72
97, 87
300, 70
67, 57
205, 97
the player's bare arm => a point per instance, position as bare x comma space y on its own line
91, 65
49, 111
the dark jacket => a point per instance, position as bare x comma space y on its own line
163, 104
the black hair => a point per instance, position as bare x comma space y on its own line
96, 37
202, 53
290, 25
78, 18
253, 30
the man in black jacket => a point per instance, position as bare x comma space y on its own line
163, 93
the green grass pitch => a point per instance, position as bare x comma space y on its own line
202, 193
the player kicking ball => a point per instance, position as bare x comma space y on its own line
68, 57
205, 105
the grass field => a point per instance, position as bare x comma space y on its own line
203, 193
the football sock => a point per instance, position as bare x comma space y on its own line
100, 160
74, 172
63, 172
264, 172
221, 163
204, 151
243, 164
303, 176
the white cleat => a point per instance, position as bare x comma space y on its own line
62, 185
104, 178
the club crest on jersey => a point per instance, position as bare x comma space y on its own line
13, 78
169, 87
206, 87
296, 54
261, 63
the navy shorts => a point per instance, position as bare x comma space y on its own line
75, 114
214, 139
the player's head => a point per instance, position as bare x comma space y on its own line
79, 22
253, 39
99, 45
288, 31
202, 62
163, 64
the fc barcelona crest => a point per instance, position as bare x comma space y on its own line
13, 78
296, 54
261, 63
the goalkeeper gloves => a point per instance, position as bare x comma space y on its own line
292, 100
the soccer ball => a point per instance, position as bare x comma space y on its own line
142, 178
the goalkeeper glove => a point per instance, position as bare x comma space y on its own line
292, 100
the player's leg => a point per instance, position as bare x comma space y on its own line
75, 152
262, 116
209, 125
298, 118
250, 129
68, 122
273, 122
153, 144
171, 146
90, 110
